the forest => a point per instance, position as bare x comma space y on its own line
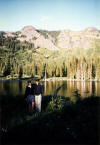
22, 59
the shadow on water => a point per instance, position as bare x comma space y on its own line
61, 122
6, 87
20, 85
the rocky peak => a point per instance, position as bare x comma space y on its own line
28, 28
91, 29
28, 33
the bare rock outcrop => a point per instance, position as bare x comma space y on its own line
77, 39
30, 34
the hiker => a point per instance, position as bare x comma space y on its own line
38, 91
29, 95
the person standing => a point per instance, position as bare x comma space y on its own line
29, 95
38, 91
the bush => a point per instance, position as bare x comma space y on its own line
57, 104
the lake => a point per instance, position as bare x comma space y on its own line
85, 88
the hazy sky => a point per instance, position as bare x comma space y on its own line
49, 14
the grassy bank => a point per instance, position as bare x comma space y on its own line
17, 78
68, 79
62, 121
48, 79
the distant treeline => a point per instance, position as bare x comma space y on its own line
23, 59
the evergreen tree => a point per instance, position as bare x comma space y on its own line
7, 70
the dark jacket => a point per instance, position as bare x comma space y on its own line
38, 89
29, 91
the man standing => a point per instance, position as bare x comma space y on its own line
38, 90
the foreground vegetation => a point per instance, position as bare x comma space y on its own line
62, 120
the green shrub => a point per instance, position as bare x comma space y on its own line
56, 104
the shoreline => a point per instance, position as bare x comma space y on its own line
71, 80
48, 79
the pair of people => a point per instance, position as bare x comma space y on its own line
33, 95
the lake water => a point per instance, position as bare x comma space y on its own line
85, 88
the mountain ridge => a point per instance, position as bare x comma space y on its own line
55, 40
71, 54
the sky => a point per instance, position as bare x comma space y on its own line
49, 14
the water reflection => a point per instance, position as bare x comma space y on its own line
45, 87
20, 85
85, 88
6, 86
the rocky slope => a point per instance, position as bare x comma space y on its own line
32, 35
82, 39
64, 39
